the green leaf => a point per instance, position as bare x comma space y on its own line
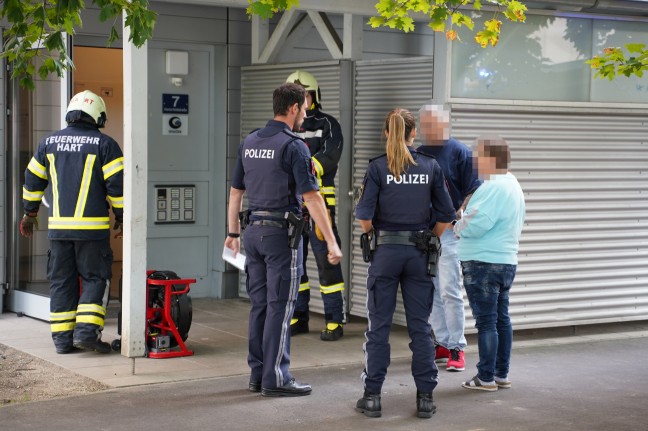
376, 21
27, 82
438, 18
54, 41
13, 10
635, 47
68, 26
113, 36
47, 67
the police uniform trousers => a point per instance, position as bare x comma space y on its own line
273, 270
330, 278
393, 265
79, 272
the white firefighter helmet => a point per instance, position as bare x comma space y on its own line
91, 104
306, 80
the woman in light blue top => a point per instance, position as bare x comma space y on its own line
489, 233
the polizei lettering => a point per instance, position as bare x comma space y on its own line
409, 179
258, 154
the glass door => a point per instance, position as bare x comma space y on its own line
34, 114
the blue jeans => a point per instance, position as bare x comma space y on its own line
488, 286
447, 317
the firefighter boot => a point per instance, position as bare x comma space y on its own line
299, 323
424, 406
96, 346
333, 332
64, 350
369, 404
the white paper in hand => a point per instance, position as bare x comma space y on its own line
238, 260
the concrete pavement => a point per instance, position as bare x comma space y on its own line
588, 386
589, 378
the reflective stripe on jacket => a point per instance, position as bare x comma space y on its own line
84, 171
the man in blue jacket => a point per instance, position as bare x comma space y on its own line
455, 159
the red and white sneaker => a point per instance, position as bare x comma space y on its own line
456, 361
441, 355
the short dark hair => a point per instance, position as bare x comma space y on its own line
285, 96
496, 147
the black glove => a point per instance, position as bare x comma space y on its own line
27, 224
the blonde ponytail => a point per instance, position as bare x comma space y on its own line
399, 124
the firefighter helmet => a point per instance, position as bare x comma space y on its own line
306, 80
91, 104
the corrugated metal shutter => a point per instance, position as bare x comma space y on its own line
257, 85
584, 249
380, 86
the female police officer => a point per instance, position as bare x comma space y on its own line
403, 195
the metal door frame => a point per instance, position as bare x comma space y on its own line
18, 301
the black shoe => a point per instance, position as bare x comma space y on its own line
332, 335
97, 346
369, 404
290, 389
299, 327
67, 349
424, 406
254, 386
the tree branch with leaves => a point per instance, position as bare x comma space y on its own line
38, 28
446, 15
614, 61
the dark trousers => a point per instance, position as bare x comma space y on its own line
273, 271
77, 312
393, 265
331, 280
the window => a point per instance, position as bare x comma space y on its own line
544, 59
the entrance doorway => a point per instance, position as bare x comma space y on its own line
100, 70
34, 115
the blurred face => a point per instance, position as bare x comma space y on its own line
434, 126
309, 100
485, 163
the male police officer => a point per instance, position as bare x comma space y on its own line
323, 136
83, 168
274, 167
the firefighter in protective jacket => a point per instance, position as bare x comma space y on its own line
84, 171
323, 135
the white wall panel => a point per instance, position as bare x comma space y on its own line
380, 86
584, 248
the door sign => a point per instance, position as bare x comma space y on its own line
175, 103
175, 124
175, 108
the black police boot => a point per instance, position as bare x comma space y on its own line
424, 406
290, 389
369, 404
96, 346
